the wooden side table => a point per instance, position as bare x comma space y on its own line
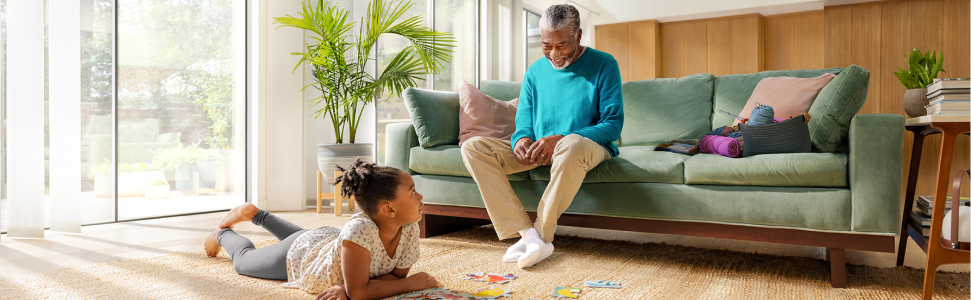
949, 127
336, 195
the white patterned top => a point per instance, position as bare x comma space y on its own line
314, 259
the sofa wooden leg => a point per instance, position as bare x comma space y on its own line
837, 267
432, 225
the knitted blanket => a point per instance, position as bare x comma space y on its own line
706, 144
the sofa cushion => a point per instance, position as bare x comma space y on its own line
500, 89
634, 164
787, 170
835, 105
827, 209
446, 160
435, 115
660, 110
481, 115
733, 91
788, 96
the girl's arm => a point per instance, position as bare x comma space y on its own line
394, 275
355, 263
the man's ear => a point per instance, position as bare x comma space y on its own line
579, 35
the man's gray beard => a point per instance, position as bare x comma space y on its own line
566, 63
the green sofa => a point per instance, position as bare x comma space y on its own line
844, 195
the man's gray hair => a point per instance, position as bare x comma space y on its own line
560, 16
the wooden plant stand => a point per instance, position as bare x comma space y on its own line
336, 195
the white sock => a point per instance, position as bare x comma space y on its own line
536, 249
515, 251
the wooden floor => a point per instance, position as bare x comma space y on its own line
101, 243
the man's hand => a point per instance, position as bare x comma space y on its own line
422, 280
333, 293
541, 152
522, 146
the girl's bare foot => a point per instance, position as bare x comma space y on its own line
213, 247
242, 213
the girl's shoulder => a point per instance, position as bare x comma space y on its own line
359, 222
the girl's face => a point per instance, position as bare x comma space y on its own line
407, 200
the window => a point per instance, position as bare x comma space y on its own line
458, 17
161, 107
534, 42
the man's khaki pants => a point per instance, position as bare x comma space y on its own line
489, 160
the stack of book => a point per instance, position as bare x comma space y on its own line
949, 96
920, 216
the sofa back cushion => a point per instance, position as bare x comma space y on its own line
733, 91
831, 111
835, 105
501, 90
435, 115
660, 110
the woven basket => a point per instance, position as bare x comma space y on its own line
790, 136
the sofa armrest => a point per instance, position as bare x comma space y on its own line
399, 138
876, 171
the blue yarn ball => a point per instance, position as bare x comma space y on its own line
762, 114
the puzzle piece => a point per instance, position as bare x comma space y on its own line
566, 292
446, 294
602, 284
490, 277
431, 294
492, 293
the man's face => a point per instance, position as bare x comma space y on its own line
561, 47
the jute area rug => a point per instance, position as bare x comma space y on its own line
647, 271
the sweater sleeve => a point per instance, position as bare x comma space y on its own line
611, 106
524, 112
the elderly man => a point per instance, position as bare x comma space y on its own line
570, 112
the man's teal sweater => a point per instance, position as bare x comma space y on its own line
584, 98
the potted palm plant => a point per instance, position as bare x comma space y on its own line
923, 70
339, 60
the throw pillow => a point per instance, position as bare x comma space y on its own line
481, 115
835, 105
788, 96
435, 115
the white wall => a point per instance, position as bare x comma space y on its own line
276, 109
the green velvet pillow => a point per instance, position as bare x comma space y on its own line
435, 115
501, 89
663, 109
835, 105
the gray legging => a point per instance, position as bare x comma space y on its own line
269, 262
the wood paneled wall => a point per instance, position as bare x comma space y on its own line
794, 41
875, 35
720, 46
635, 47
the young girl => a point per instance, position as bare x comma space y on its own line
368, 259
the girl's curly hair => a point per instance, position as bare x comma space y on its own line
369, 184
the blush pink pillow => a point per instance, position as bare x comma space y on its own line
788, 96
481, 115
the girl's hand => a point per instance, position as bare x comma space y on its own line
333, 293
423, 281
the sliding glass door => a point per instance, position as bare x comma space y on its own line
180, 107
458, 17
150, 121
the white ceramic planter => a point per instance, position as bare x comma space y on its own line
329, 155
